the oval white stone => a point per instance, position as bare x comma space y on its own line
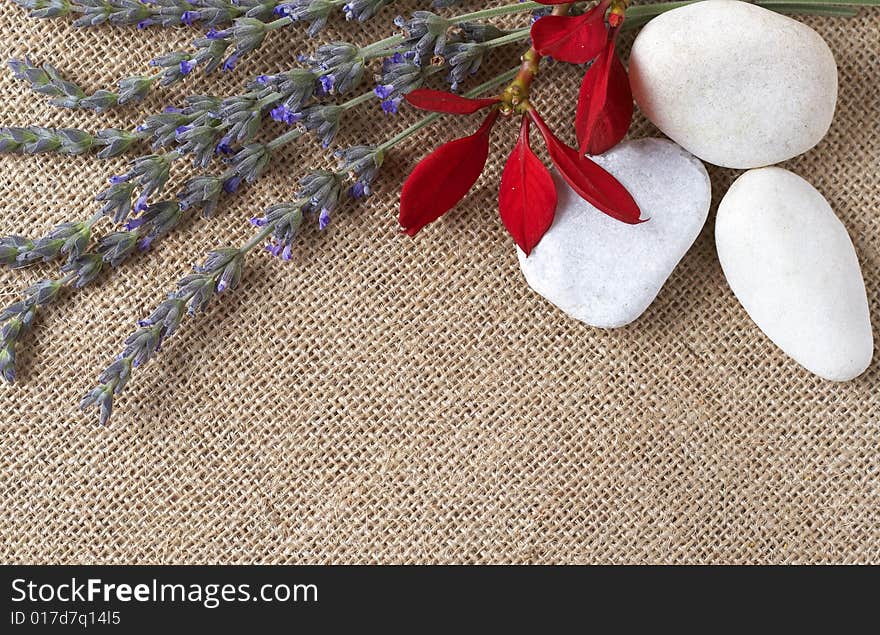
790, 262
735, 84
604, 272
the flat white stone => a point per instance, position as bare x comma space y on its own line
604, 272
735, 84
790, 262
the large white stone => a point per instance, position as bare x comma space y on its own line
604, 272
737, 85
791, 264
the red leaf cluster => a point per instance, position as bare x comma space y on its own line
605, 103
527, 195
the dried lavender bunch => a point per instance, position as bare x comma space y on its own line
217, 49
222, 48
204, 127
319, 194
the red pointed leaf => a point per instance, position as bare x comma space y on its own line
592, 183
571, 39
442, 101
605, 104
442, 178
527, 197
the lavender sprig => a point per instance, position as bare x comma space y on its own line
68, 141
149, 13
84, 266
320, 193
17, 319
217, 49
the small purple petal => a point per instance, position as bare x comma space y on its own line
285, 255
230, 62
259, 222
323, 219
188, 17
231, 184
274, 249
144, 244
327, 82
224, 147
383, 91
389, 106
186, 66
119, 178
134, 223
141, 203
358, 190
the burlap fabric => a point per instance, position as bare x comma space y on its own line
386, 400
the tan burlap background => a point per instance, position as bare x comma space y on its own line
386, 400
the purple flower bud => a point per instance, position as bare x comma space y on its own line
389, 106
285, 255
188, 17
141, 203
119, 178
221, 286
274, 249
282, 9
383, 91
264, 79
231, 184
143, 24
134, 223
225, 146
186, 66
172, 109
258, 221
324, 219
214, 34
230, 62
181, 130
284, 114
358, 190
327, 82
144, 323
144, 244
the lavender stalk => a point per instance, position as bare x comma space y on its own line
320, 193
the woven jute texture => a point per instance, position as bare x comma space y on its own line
380, 399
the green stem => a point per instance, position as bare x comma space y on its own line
378, 49
287, 137
508, 9
357, 101
277, 24
515, 36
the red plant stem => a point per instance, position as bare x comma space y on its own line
516, 96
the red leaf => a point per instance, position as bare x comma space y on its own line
592, 183
442, 101
605, 104
442, 178
571, 39
527, 198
